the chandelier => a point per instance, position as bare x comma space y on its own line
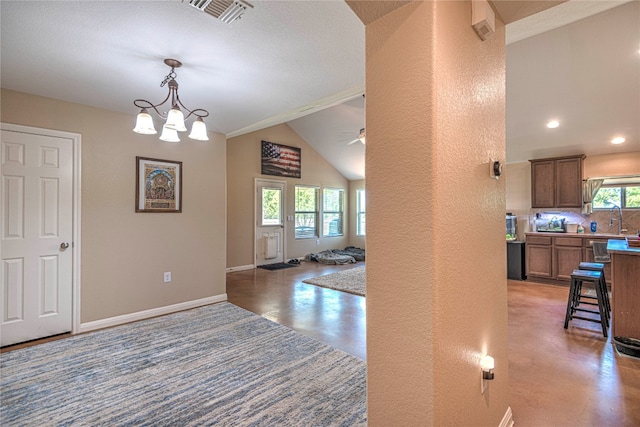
174, 119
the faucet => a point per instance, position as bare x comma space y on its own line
619, 219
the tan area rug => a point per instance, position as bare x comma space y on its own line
351, 281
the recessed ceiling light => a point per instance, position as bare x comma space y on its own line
618, 140
553, 124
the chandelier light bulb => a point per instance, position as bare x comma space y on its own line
199, 130
169, 135
144, 123
175, 119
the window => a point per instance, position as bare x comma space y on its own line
332, 212
361, 212
271, 202
306, 217
626, 197
632, 197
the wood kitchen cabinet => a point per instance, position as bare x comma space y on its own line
557, 182
539, 253
552, 257
567, 255
543, 183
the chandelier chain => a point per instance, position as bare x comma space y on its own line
171, 76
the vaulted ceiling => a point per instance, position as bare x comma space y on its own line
302, 63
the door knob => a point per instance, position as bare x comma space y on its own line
64, 245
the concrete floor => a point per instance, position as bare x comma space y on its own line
558, 377
335, 318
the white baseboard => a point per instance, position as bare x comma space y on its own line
241, 268
507, 420
146, 314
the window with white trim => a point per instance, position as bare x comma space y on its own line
332, 212
625, 196
306, 212
361, 213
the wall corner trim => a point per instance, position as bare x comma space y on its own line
507, 420
240, 268
146, 314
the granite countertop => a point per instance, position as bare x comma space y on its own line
585, 235
621, 247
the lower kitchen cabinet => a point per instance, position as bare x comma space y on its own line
567, 255
552, 258
539, 255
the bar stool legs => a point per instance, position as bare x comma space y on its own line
597, 266
575, 294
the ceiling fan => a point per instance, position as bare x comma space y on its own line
360, 138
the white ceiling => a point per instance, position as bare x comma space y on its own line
281, 56
286, 59
586, 75
331, 133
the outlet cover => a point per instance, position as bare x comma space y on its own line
167, 277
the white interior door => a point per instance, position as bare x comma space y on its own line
269, 222
36, 242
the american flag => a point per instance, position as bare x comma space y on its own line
280, 160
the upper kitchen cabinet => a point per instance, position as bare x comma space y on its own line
557, 182
543, 183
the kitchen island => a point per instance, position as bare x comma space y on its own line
625, 290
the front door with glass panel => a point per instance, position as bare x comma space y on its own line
269, 241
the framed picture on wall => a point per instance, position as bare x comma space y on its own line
158, 185
280, 160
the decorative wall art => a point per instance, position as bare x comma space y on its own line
280, 160
158, 185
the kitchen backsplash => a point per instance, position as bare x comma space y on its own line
630, 220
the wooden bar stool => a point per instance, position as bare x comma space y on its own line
598, 266
575, 293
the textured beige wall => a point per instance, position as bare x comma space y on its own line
243, 166
436, 280
354, 240
124, 253
612, 165
517, 177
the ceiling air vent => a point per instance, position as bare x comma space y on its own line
224, 10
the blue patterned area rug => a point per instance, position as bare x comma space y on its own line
214, 365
